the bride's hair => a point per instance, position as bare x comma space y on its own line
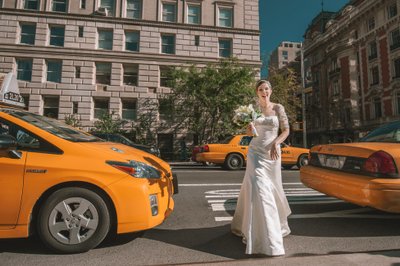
263, 81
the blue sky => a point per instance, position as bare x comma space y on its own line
287, 20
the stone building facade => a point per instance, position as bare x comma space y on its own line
87, 57
284, 54
352, 65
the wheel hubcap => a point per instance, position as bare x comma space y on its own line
73, 221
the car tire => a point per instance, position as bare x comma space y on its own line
303, 160
233, 162
73, 220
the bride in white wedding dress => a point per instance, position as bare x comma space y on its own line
262, 208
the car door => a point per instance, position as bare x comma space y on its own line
287, 154
12, 171
244, 145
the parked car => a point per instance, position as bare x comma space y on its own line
68, 186
364, 173
113, 137
232, 153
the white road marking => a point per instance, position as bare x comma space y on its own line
226, 200
226, 184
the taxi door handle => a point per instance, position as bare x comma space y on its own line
243, 148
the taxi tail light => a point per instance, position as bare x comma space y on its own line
206, 148
380, 162
127, 168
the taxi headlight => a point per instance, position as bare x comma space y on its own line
136, 169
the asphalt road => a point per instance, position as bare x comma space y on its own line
199, 228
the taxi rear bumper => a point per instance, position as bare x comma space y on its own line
379, 193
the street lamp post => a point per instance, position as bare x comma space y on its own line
303, 97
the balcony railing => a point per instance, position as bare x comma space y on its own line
372, 57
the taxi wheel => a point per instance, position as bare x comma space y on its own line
233, 162
303, 160
73, 220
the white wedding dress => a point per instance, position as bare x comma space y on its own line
262, 208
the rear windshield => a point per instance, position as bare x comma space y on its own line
53, 126
387, 133
227, 140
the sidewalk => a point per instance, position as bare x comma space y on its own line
381, 258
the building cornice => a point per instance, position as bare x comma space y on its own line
126, 21
338, 27
67, 53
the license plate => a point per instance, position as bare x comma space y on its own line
335, 162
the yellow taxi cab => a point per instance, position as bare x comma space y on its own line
365, 173
232, 153
71, 188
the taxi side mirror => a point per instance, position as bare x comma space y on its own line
8, 142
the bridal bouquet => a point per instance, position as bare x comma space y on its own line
245, 115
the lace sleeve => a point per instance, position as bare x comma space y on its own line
283, 119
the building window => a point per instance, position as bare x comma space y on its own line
371, 23
165, 76
105, 39
57, 35
100, 108
169, 12
78, 72
377, 108
167, 44
285, 55
28, 33
134, 9
80, 31
59, 5
197, 40
83, 4
74, 107
225, 17
335, 88
372, 50
129, 109
165, 108
130, 74
398, 102
54, 70
225, 48
50, 106
31, 4
392, 10
193, 14
396, 68
394, 39
374, 75
132, 39
24, 69
103, 73
109, 5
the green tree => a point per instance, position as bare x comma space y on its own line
72, 120
286, 86
204, 98
110, 123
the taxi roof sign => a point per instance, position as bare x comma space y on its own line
9, 90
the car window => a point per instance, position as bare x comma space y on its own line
25, 139
245, 141
386, 133
227, 140
53, 126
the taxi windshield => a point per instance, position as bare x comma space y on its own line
53, 126
387, 133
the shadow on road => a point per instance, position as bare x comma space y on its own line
213, 240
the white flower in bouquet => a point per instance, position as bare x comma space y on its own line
245, 115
